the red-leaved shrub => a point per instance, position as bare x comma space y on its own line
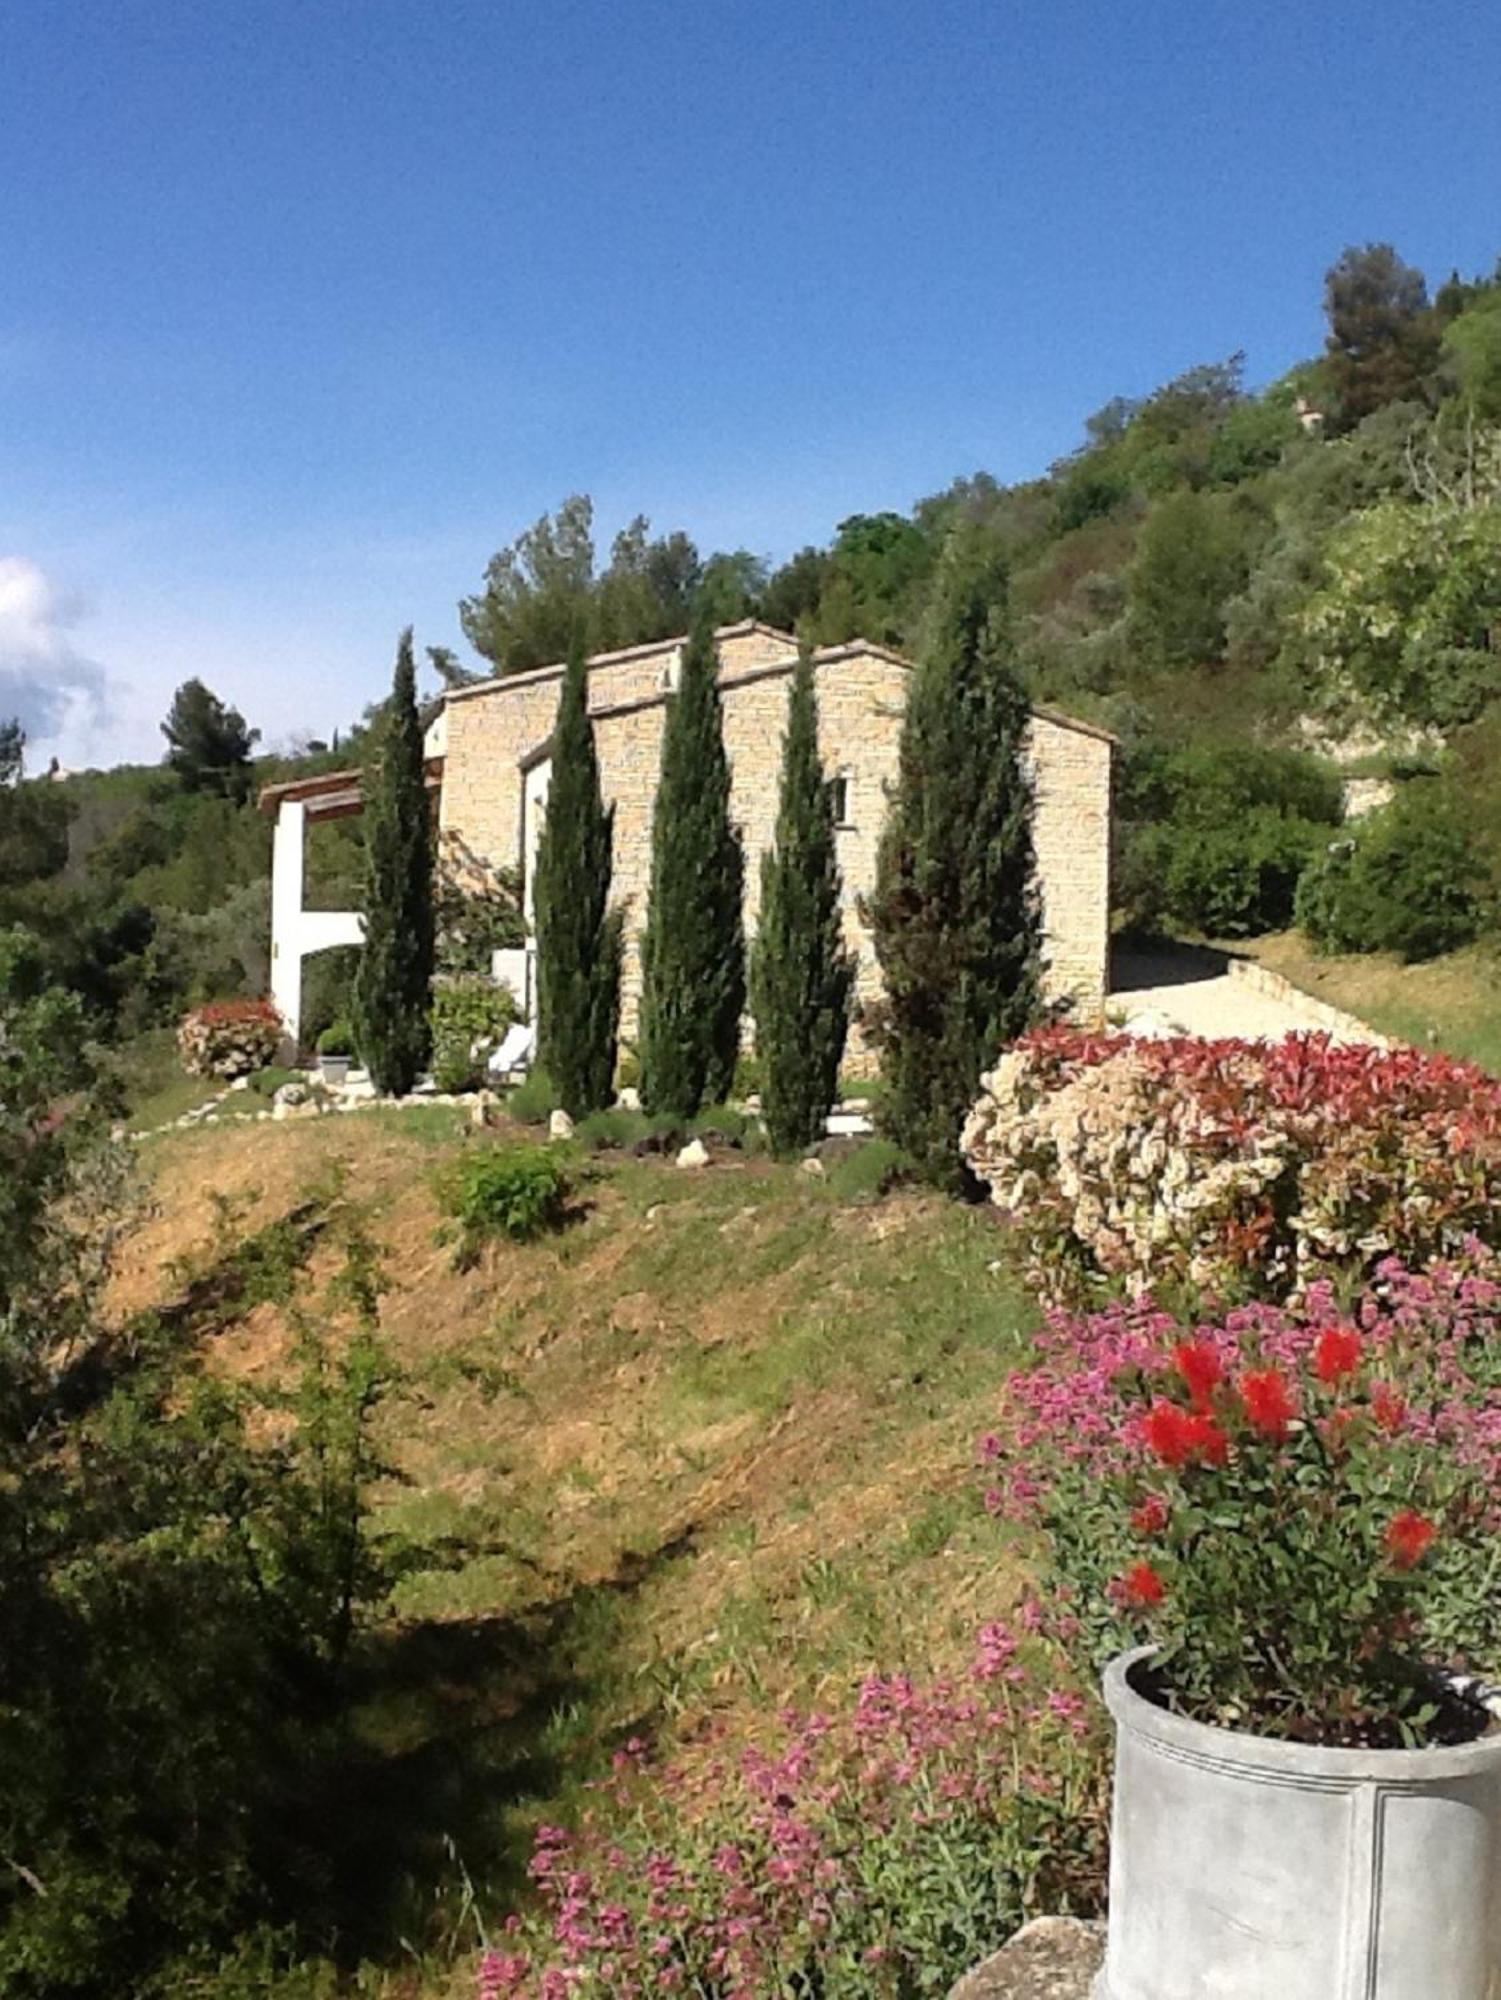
1238, 1168
229, 1038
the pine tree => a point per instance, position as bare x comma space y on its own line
393, 988
956, 912
578, 935
802, 975
693, 950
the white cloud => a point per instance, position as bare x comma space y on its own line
59, 696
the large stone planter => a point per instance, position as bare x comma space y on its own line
1247, 1869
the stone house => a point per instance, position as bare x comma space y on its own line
489, 748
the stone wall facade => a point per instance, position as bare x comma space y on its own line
497, 737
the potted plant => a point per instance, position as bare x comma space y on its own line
336, 1052
1297, 1512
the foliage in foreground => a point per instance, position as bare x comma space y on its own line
955, 912
802, 973
516, 1192
183, 1562
875, 1855
393, 987
1298, 1506
1233, 1167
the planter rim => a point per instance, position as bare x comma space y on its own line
1273, 1758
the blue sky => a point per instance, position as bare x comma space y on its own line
306, 308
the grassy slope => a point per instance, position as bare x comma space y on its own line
1452, 1003
711, 1448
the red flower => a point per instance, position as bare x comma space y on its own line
1201, 1369
1209, 1441
1409, 1537
1269, 1401
1337, 1355
1151, 1517
1142, 1588
1388, 1408
1168, 1433
1181, 1437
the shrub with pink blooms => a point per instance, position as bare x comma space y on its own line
1299, 1507
869, 1855
1243, 1169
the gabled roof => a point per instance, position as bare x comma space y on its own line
531, 676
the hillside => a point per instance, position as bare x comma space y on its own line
709, 1450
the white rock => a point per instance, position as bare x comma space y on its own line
694, 1154
289, 1095
847, 1125
481, 1108
240, 1083
812, 1166
560, 1126
630, 1098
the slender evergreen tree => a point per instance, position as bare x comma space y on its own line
956, 912
578, 934
393, 987
802, 974
693, 950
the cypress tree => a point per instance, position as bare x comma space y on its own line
578, 935
693, 950
956, 912
802, 976
393, 987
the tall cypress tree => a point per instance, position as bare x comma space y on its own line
802, 975
956, 912
393, 987
693, 950
578, 934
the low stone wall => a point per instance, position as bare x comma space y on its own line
1317, 1013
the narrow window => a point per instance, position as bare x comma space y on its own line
841, 783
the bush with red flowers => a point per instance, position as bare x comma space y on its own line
1299, 1507
229, 1038
1240, 1169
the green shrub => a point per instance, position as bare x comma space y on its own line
337, 1039
517, 1192
612, 1129
1216, 841
470, 1017
533, 1101
867, 1172
1406, 881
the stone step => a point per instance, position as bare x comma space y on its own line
1052, 1958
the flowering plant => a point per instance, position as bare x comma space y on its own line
1300, 1507
1236, 1168
229, 1038
873, 1855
